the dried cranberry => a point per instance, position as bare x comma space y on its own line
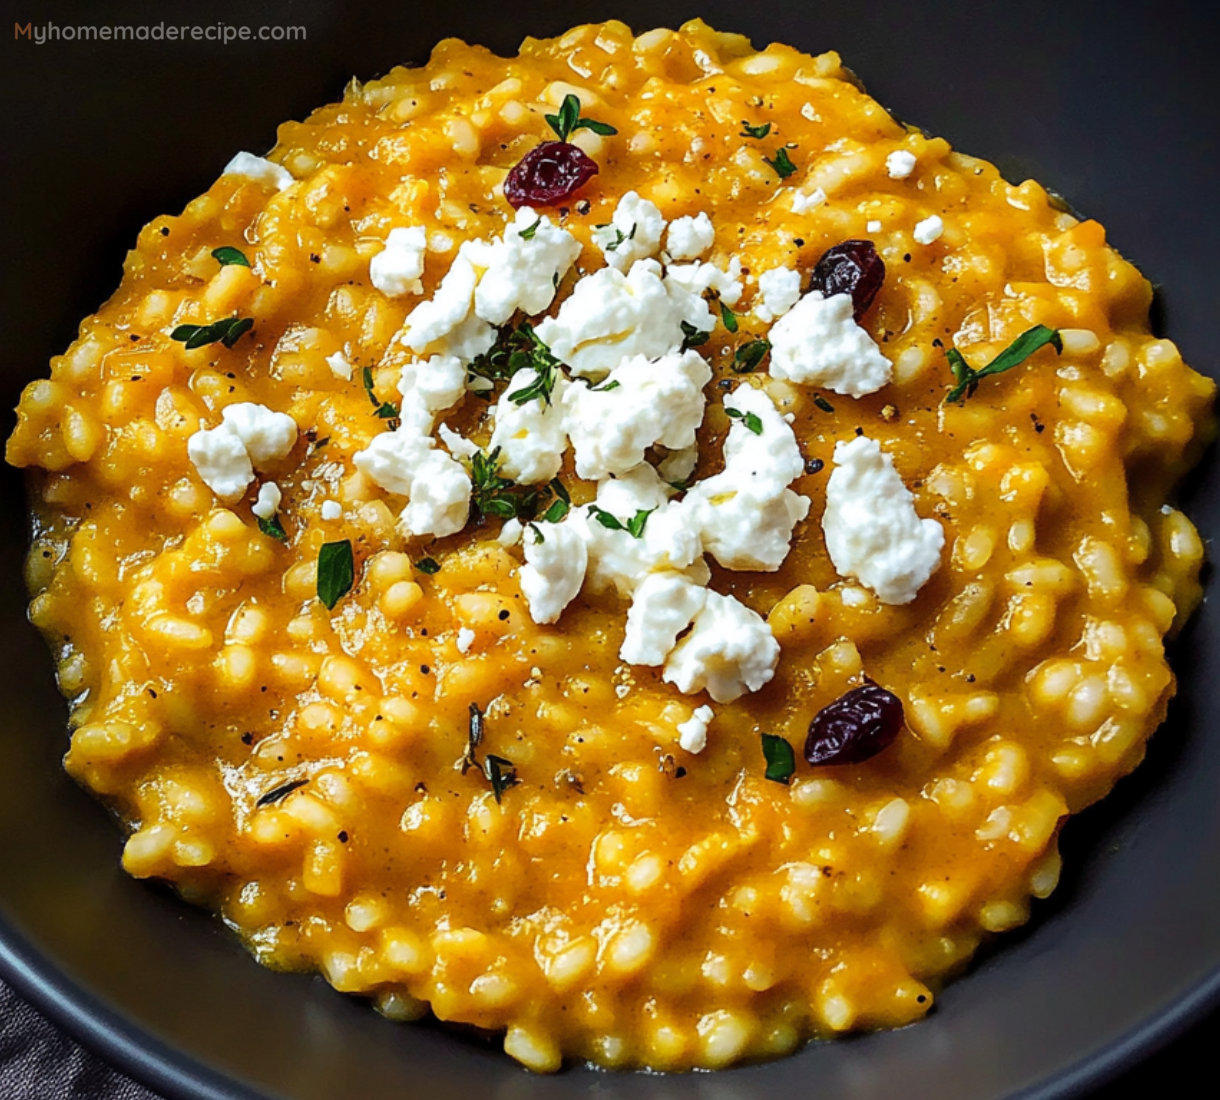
854, 268
855, 727
548, 174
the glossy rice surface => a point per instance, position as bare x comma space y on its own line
626, 902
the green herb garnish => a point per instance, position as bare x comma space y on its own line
491, 493
967, 378
336, 572
747, 357
226, 255
822, 403
280, 793
634, 526
782, 164
544, 365
728, 317
560, 506
693, 337
272, 528
756, 132
568, 121
605, 387
386, 410
430, 566
781, 761
474, 738
749, 419
619, 235
527, 234
501, 774
226, 332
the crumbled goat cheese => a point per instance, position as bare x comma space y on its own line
510, 533
633, 233
873, 227
440, 496
531, 436
392, 459
692, 734
449, 314
397, 268
900, 164
778, 291
332, 510
819, 343
465, 639
661, 608
339, 366
259, 169
647, 401
873, 532
699, 277
610, 316
437, 383
459, 446
746, 514
521, 273
730, 650
803, 202
268, 500
247, 436
690, 237
929, 230
554, 570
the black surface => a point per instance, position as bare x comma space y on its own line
1111, 104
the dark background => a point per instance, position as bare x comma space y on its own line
1111, 104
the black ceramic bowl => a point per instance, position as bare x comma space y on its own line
1112, 105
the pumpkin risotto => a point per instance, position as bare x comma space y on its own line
628, 546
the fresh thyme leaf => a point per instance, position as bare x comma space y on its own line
280, 793
557, 487
747, 357
693, 337
568, 120
336, 572
635, 525
527, 234
474, 738
272, 528
967, 378
822, 403
385, 410
537, 532
749, 419
428, 566
608, 521
501, 774
227, 254
227, 332
620, 236
781, 760
728, 317
756, 132
605, 387
556, 512
782, 163
533, 355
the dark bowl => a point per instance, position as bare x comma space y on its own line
1112, 105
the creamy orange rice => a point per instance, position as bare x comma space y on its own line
306, 770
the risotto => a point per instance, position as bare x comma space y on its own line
626, 546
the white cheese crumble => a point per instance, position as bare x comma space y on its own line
778, 291
260, 170
459, 446
690, 237
746, 514
331, 510
339, 366
610, 316
642, 402
730, 650
435, 384
397, 268
692, 734
661, 608
633, 232
510, 533
449, 314
900, 164
268, 501
440, 497
531, 436
804, 201
929, 230
465, 639
873, 532
819, 343
699, 277
247, 436
391, 458
554, 570
522, 272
